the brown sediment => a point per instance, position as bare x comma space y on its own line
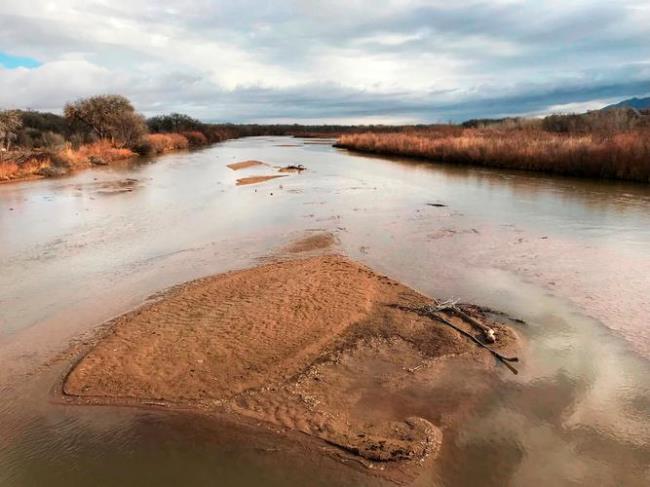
311, 345
236, 166
256, 179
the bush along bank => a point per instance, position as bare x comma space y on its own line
92, 132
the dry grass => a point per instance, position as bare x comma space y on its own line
104, 150
23, 165
195, 138
167, 142
81, 157
8, 170
619, 156
27, 163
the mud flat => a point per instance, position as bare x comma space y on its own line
301, 347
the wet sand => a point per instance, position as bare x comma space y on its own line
295, 344
236, 166
256, 179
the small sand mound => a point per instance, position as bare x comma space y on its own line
322, 346
256, 179
236, 166
318, 241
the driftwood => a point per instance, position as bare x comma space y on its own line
452, 305
434, 312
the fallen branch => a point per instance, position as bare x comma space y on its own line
433, 312
452, 305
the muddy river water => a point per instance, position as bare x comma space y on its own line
570, 257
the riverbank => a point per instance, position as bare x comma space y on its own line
26, 165
299, 346
624, 156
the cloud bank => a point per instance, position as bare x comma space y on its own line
391, 61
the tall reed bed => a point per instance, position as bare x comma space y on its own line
619, 156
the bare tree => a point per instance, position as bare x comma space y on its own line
130, 129
10, 123
110, 117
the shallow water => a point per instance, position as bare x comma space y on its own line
570, 257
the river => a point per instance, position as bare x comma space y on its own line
571, 257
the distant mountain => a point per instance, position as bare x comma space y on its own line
638, 103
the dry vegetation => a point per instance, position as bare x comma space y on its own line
93, 131
600, 154
23, 166
101, 129
167, 142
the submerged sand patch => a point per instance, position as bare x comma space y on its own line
300, 345
318, 241
256, 179
236, 166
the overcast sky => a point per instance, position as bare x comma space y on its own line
390, 61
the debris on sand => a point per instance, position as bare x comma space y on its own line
293, 168
322, 346
236, 166
437, 205
256, 179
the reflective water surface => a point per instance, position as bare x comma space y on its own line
570, 257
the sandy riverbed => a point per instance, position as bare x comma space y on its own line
298, 344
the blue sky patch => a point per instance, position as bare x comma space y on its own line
11, 62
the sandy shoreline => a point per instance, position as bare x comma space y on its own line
298, 345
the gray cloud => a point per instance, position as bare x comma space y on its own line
353, 60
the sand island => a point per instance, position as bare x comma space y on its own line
299, 344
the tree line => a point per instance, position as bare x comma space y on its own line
113, 118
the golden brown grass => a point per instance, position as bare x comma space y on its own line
23, 165
8, 170
81, 157
623, 155
26, 163
167, 142
195, 138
